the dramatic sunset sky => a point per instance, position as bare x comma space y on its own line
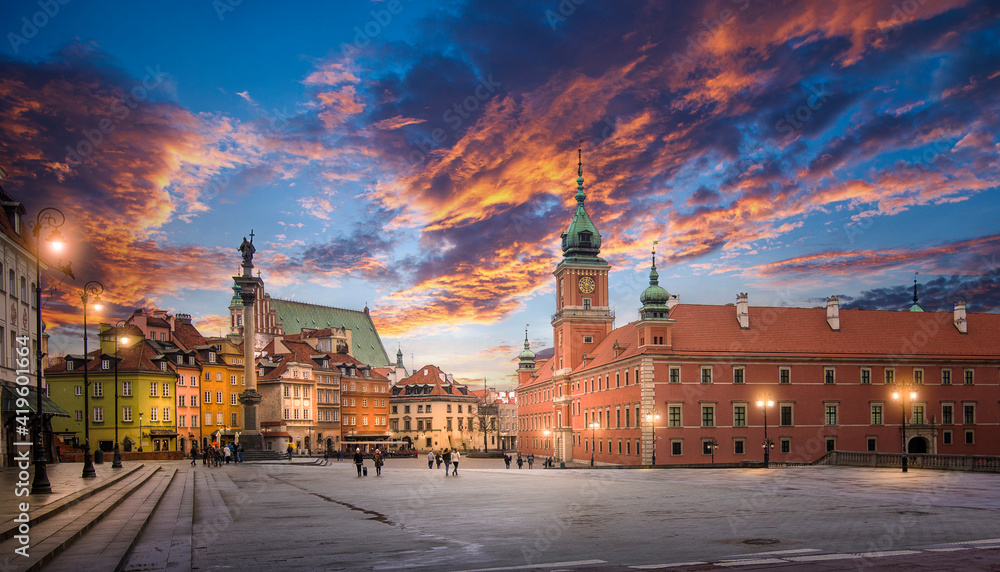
420, 157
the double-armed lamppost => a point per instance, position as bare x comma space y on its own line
712, 446
117, 463
652, 418
901, 396
51, 218
593, 440
95, 289
767, 444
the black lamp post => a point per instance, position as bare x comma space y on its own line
593, 441
713, 445
92, 288
768, 444
652, 418
901, 396
140, 432
117, 463
52, 218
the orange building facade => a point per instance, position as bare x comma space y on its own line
692, 384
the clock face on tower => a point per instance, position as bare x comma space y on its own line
586, 284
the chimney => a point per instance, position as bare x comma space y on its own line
833, 313
960, 322
743, 310
673, 301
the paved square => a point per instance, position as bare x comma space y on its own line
300, 516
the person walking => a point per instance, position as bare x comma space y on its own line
531, 460
204, 456
520, 461
447, 461
289, 450
378, 463
194, 454
437, 459
358, 459
455, 458
239, 452
430, 459
227, 453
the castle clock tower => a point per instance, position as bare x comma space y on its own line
583, 317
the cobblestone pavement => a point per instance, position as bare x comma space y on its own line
298, 516
305, 516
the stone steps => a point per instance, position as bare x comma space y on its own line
107, 545
59, 524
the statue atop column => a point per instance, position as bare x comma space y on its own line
247, 249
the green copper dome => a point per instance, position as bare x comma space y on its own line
582, 237
654, 298
237, 299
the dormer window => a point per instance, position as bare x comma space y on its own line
69, 365
180, 359
105, 364
211, 357
163, 366
585, 237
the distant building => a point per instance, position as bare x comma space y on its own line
700, 379
430, 411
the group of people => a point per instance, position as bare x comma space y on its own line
215, 456
520, 460
449, 457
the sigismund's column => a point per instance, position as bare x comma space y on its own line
250, 437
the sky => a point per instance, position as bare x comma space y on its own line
420, 157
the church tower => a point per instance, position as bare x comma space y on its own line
654, 315
236, 312
583, 316
526, 362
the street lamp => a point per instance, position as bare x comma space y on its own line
547, 434
140, 432
593, 440
52, 218
767, 444
117, 463
712, 446
652, 418
901, 396
92, 288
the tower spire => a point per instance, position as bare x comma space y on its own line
915, 287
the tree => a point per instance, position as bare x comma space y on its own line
489, 418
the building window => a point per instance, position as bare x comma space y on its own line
970, 414
970, 437
234, 420
105, 364
706, 374
127, 414
675, 375
828, 375
831, 444
420, 409
98, 389
181, 399
890, 376
872, 441
918, 376
968, 377
163, 366
208, 397
166, 390
588, 339
739, 416
947, 414
218, 418
866, 376
738, 375
786, 416
233, 399
831, 415
79, 415
98, 415
208, 419
786, 445
739, 447
153, 414
218, 397
674, 416
675, 448
166, 414
78, 390
918, 414
876, 415
784, 375
152, 389
708, 416
126, 389
946, 437
945, 377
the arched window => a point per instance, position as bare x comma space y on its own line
2, 288
24, 288
12, 283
